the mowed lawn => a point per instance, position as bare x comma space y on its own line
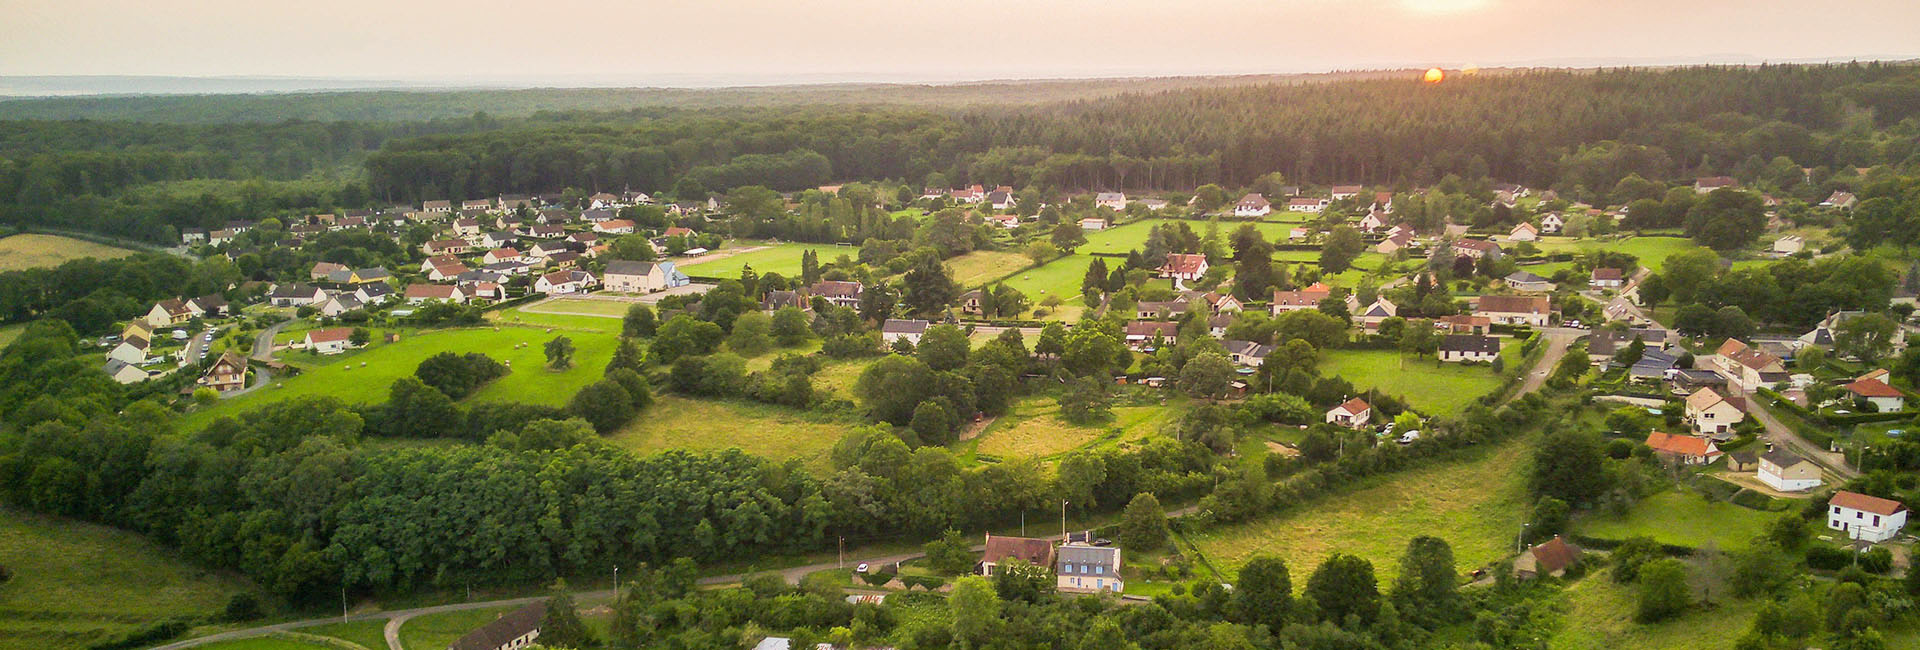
1477, 505
577, 322
980, 267
1060, 277
345, 377
1683, 518
1034, 429
75, 584
1650, 250
775, 432
436, 631
368, 634
587, 306
1444, 389
783, 259
10, 332
32, 251
1599, 616
287, 642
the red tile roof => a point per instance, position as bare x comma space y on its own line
1865, 503
1684, 445
1355, 406
329, 335
1873, 388
1187, 263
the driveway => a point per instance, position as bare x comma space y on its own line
1782, 435
262, 351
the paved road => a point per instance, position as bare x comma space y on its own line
1780, 434
262, 351
1558, 338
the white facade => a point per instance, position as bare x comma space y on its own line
1788, 479
1865, 526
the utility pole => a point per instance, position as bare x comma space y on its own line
1023, 522
343, 594
842, 563
616, 582
1063, 521
1519, 542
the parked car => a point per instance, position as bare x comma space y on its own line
1410, 436
861, 569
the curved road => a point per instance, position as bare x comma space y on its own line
262, 351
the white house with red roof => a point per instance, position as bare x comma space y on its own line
1345, 191
1883, 397
1688, 450
1184, 266
333, 340
420, 293
1353, 414
614, 227
565, 281
1865, 518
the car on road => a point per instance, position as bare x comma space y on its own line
861, 569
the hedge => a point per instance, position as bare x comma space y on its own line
513, 302
1604, 544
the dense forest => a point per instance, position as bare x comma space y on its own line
1580, 133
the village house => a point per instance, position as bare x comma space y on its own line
1299, 234
1247, 353
1712, 414
1883, 397
295, 295
131, 350
169, 312
1115, 201
781, 299
445, 247
1382, 202
1306, 204
842, 293
971, 302
1353, 414
421, 293
123, 372
1686, 450
614, 227
1339, 192
1524, 232
1371, 317
355, 277
476, 205
1786, 472
1552, 223
499, 255
1394, 243
374, 294
1140, 334
500, 239
1005, 221
1839, 199
1373, 221
1184, 266
564, 281
1710, 183
1748, 368
1217, 301
1469, 347
227, 374
1155, 205
1160, 309
1528, 282
1462, 324
1252, 205
436, 206
513, 630
1093, 223
340, 303
1475, 248
895, 329
1551, 558
333, 340
1515, 310
1606, 278
1789, 245
634, 277
1865, 518
1001, 548
972, 194
1085, 568
321, 270
1001, 199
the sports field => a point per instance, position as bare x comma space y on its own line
1477, 505
75, 584
783, 259
366, 375
34, 251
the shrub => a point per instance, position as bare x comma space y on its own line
243, 606
1877, 560
1828, 558
147, 635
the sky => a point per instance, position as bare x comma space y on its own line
727, 42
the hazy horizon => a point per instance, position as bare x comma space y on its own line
581, 43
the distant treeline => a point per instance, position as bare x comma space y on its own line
1580, 133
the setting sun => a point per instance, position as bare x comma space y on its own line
1434, 75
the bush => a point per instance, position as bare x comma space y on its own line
459, 375
242, 606
1877, 560
1828, 558
151, 634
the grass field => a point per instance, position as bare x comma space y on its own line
575, 322
1650, 250
775, 432
46, 251
10, 332
1034, 429
1476, 505
368, 634
1599, 616
837, 377
345, 378
436, 631
979, 267
587, 306
1442, 390
1683, 518
783, 259
1060, 277
76, 583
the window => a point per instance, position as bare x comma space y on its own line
1836, 510
1876, 520
1101, 570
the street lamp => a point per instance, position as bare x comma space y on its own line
1520, 542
